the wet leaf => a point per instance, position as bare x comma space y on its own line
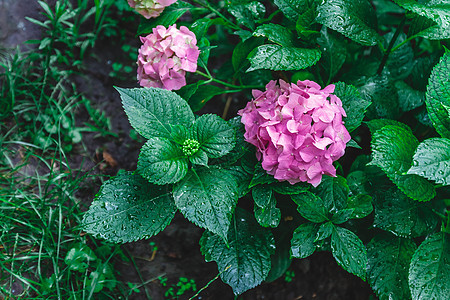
438, 94
151, 111
275, 33
393, 148
432, 160
380, 91
429, 273
334, 192
355, 19
207, 197
334, 52
162, 162
402, 216
129, 208
388, 263
293, 9
247, 14
266, 212
302, 243
311, 207
408, 98
215, 135
276, 58
245, 262
349, 251
168, 17
361, 204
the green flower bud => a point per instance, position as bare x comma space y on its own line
190, 147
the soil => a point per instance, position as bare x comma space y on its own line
178, 252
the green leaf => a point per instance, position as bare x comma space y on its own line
380, 91
432, 160
267, 214
438, 94
311, 207
305, 22
355, 19
388, 263
245, 262
397, 213
262, 195
275, 33
302, 243
202, 95
324, 231
207, 197
293, 9
199, 158
281, 259
349, 251
242, 50
78, 257
247, 13
376, 124
128, 208
408, 98
285, 188
151, 111
260, 176
242, 178
392, 150
401, 61
334, 192
361, 204
162, 162
215, 135
279, 58
355, 107
429, 273
168, 17
435, 10
342, 216
334, 53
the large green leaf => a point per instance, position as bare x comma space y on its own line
129, 208
207, 197
388, 264
438, 95
151, 111
293, 9
393, 148
215, 135
408, 98
311, 207
432, 160
168, 17
355, 19
334, 192
247, 13
354, 105
279, 58
162, 162
334, 52
276, 33
349, 251
436, 10
429, 273
245, 262
380, 91
302, 243
242, 50
376, 124
401, 61
397, 213
268, 215
361, 205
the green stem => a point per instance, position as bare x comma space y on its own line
391, 44
208, 6
237, 87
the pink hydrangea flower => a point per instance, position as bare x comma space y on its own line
165, 57
297, 129
150, 8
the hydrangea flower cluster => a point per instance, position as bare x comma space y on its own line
297, 129
150, 8
165, 57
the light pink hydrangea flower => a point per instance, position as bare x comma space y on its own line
165, 57
150, 8
297, 129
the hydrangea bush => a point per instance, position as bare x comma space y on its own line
347, 149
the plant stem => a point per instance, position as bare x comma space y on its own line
391, 44
208, 6
237, 87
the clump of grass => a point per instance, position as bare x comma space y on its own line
43, 254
